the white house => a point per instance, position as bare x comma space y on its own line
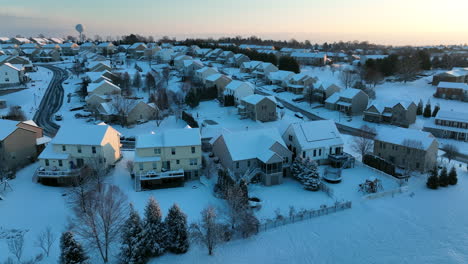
10, 74
239, 90
279, 77
203, 73
314, 140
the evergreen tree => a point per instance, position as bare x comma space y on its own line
137, 80
419, 110
155, 234
131, 250
427, 109
71, 252
311, 179
192, 99
452, 176
443, 178
229, 100
297, 168
433, 180
287, 63
177, 231
436, 110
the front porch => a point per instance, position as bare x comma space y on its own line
56, 177
151, 180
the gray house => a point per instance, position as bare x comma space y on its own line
258, 107
350, 101
407, 148
400, 114
449, 124
250, 154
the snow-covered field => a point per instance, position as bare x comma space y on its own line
30, 98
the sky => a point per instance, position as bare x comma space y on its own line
396, 22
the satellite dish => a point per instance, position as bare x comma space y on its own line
80, 28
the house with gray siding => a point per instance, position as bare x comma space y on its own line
449, 124
350, 101
399, 114
258, 108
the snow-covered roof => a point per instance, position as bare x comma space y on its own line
452, 85
49, 153
170, 138
94, 86
105, 45
256, 98
333, 98
300, 76
136, 45
452, 116
7, 127
349, 93
11, 66
236, 84
251, 64
316, 134
88, 44
79, 134
251, 144
405, 137
280, 75
308, 55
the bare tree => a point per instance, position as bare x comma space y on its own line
16, 245
16, 113
45, 240
122, 106
408, 68
100, 224
348, 78
209, 231
363, 143
281, 114
451, 151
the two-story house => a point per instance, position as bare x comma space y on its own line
314, 140
167, 158
400, 114
237, 60
407, 148
350, 101
263, 69
299, 82
452, 91
449, 124
239, 90
97, 146
258, 108
136, 50
253, 153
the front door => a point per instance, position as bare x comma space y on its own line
79, 163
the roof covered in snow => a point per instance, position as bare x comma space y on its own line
452, 85
452, 116
80, 134
7, 127
170, 138
405, 137
256, 98
316, 134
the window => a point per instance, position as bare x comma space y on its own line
64, 148
194, 162
155, 165
303, 154
320, 152
285, 160
7, 79
315, 152
237, 165
417, 165
177, 162
47, 162
248, 163
79, 149
140, 165
157, 151
408, 150
173, 151
193, 149
93, 150
60, 163
290, 137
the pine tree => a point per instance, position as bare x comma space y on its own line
131, 250
297, 168
71, 251
155, 233
311, 179
443, 178
177, 231
419, 110
433, 180
137, 80
192, 99
436, 110
427, 109
452, 177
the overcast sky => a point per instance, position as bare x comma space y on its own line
398, 22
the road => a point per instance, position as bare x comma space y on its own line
51, 101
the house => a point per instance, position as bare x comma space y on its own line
69, 49
49, 55
179, 61
214, 54
249, 66
31, 54
96, 77
314, 140
136, 50
239, 90
3, 104
407, 148
57, 40
97, 146
141, 112
40, 41
224, 57
201, 74
398, 113
88, 46
105, 48
98, 66
308, 58
94, 100
350, 101
322, 92
17, 60
237, 60
218, 80
29, 46
201, 53
299, 82
263, 69
103, 88
191, 66
167, 158
452, 90
253, 154
20, 41
456, 75
258, 108
11, 75
52, 46
151, 50
20, 143
279, 77
165, 55
449, 124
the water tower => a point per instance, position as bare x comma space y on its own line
80, 28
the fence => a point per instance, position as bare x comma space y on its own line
387, 193
326, 189
304, 215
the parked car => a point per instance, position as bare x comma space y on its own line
298, 115
298, 99
58, 117
279, 105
